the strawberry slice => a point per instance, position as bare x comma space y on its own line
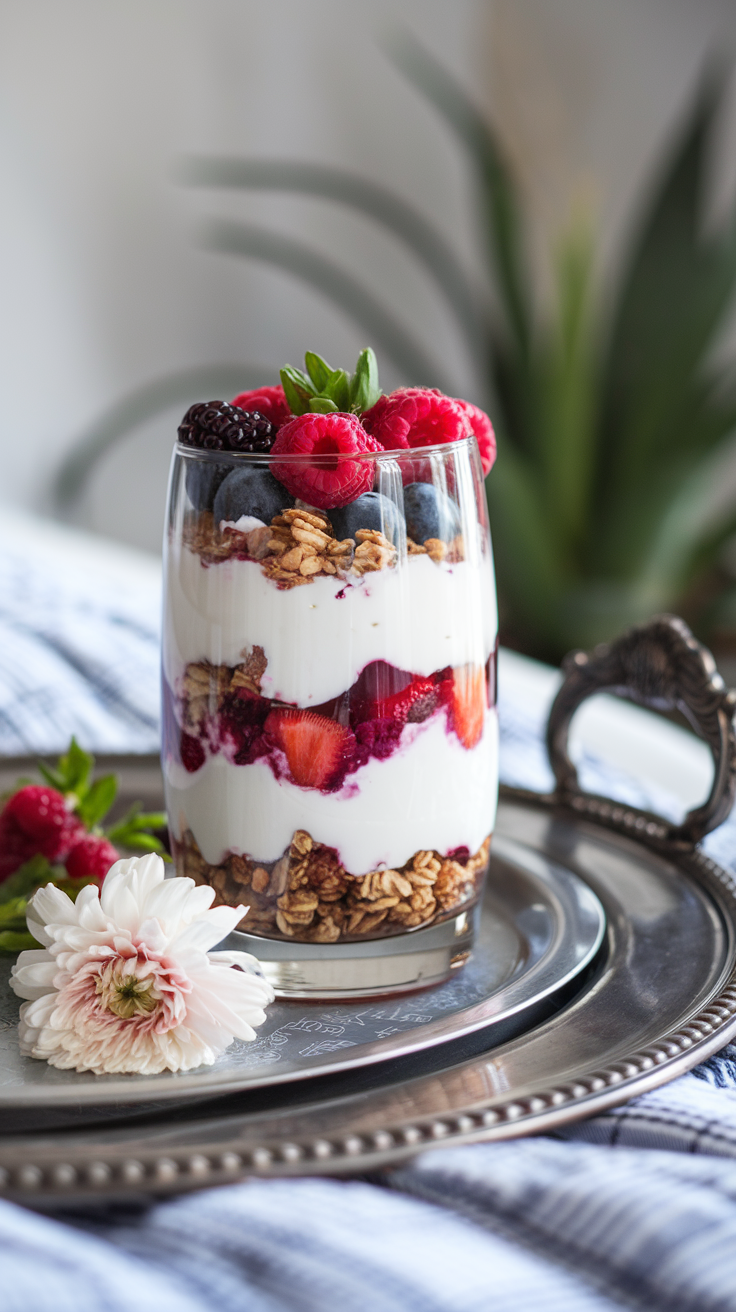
317, 749
468, 703
383, 692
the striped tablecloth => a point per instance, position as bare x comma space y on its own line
635, 1208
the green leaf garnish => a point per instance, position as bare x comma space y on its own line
98, 800
298, 389
322, 405
364, 389
137, 831
27, 878
13, 940
324, 390
318, 369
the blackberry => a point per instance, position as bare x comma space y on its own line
217, 426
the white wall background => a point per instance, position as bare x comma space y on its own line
105, 283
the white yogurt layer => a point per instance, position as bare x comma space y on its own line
421, 617
431, 794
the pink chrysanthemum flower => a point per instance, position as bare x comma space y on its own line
126, 982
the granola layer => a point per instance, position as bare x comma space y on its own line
308, 895
299, 545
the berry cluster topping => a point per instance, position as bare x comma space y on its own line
217, 426
328, 418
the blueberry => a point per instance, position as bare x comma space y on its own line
251, 492
429, 513
372, 510
203, 480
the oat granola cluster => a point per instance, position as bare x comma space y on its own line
204, 686
308, 895
300, 544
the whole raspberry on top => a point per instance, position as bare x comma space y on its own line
415, 417
268, 401
36, 819
91, 858
334, 481
482, 427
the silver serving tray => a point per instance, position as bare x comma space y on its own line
660, 996
539, 927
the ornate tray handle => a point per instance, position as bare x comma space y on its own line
661, 665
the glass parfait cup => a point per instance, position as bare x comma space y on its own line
330, 743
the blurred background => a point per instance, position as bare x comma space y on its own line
525, 202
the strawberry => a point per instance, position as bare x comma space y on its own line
468, 703
268, 401
36, 819
385, 693
482, 428
330, 479
415, 417
316, 749
91, 858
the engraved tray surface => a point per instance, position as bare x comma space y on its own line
539, 927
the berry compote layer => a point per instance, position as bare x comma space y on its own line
330, 740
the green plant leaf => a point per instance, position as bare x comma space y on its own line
502, 210
567, 418
673, 296
405, 223
98, 800
351, 298
318, 369
137, 831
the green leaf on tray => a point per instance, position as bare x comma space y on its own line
16, 940
97, 801
137, 831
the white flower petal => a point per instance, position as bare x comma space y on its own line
33, 974
209, 929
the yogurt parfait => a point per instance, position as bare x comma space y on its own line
330, 747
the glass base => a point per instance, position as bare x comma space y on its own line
371, 968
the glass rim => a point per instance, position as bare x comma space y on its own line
402, 454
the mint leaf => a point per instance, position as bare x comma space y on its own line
298, 389
51, 776
364, 389
318, 369
321, 405
134, 831
98, 800
74, 768
338, 389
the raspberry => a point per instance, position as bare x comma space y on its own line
415, 417
482, 427
268, 401
36, 819
192, 753
217, 426
91, 858
330, 480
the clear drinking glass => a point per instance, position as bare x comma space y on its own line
330, 741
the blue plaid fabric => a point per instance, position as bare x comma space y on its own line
632, 1209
